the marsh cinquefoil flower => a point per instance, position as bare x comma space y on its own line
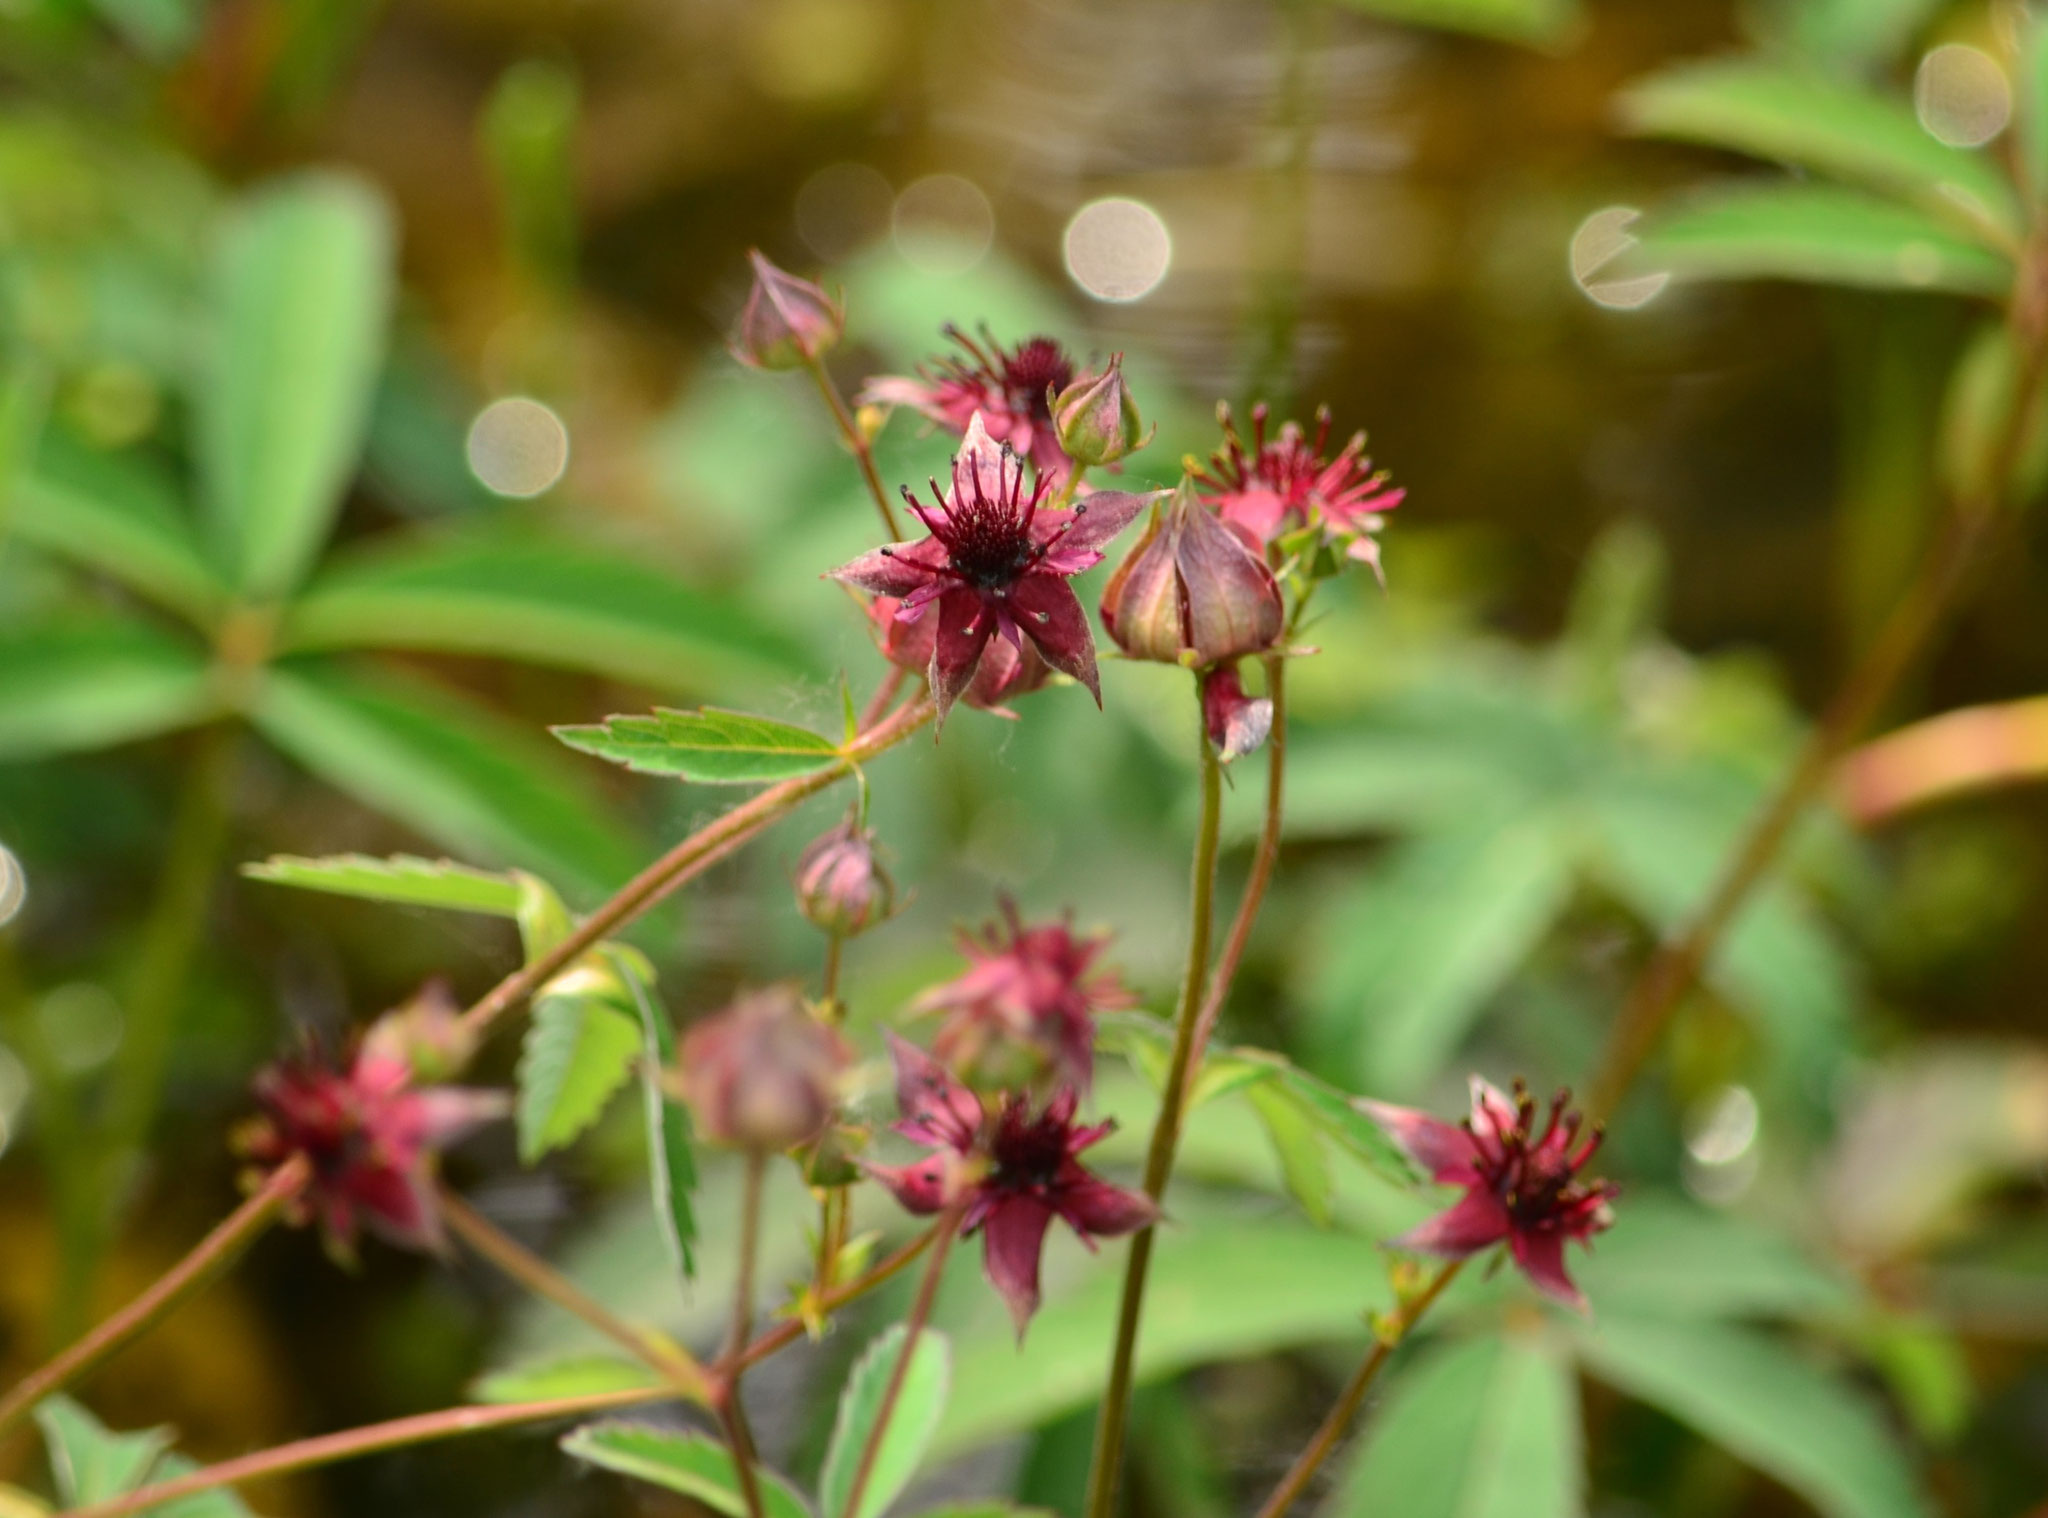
1290, 480
1025, 1009
1522, 1188
1011, 389
997, 564
1011, 1171
372, 1138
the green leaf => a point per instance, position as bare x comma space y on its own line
1530, 21
710, 746
579, 1049
1338, 1116
456, 772
985, 1510
1299, 1148
1817, 1434
220, 1502
1484, 1428
1830, 127
1430, 935
1816, 233
686, 1463
671, 1160
92, 684
91, 1463
1866, 35
543, 917
111, 514
909, 1430
564, 1376
403, 878
547, 602
302, 286
1670, 1259
2030, 85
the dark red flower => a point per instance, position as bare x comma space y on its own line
1521, 1187
1289, 481
997, 563
372, 1138
1003, 674
1025, 1009
1012, 1171
1010, 388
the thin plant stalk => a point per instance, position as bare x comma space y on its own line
1109, 1429
550, 1285
1900, 642
1392, 1333
920, 1315
731, 1413
789, 1330
208, 1258
857, 443
692, 857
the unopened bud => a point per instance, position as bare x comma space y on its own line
1192, 591
1237, 723
841, 888
787, 322
763, 1074
1096, 418
425, 1034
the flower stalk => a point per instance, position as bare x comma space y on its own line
856, 442
731, 1414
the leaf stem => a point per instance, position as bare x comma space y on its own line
208, 1258
1391, 1335
787, 1332
1109, 1429
857, 443
691, 858
920, 1314
550, 1285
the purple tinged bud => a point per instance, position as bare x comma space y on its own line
763, 1074
841, 887
1192, 591
787, 322
426, 1034
1096, 418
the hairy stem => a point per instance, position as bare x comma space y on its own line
857, 443
549, 1284
731, 1413
692, 857
920, 1314
1391, 1334
213, 1254
1263, 862
1900, 642
1109, 1429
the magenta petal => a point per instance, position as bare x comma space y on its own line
982, 459
1478, 1220
398, 1204
920, 1186
1098, 520
965, 626
448, 1112
935, 1108
898, 390
891, 571
1093, 1206
1541, 1256
1012, 1240
1440, 1148
1047, 609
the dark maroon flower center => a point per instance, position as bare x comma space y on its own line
1028, 1152
987, 538
1536, 1175
1034, 373
1290, 465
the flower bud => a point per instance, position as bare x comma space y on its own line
840, 886
786, 322
763, 1074
1237, 723
426, 1035
1191, 591
1096, 418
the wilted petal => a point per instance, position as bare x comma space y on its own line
1237, 724
1093, 1206
965, 626
1479, 1219
934, 1108
1442, 1149
1049, 612
1012, 1240
1541, 1256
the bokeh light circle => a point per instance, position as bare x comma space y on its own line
1961, 95
517, 446
13, 885
842, 208
943, 224
1601, 239
1118, 249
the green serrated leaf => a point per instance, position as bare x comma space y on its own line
1834, 128
671, 1160
80, 685
403, 878
90, 1462
579, 1049
564, 1376
303, 291
686, 1463
1299, 1147
709, 746
911, 1423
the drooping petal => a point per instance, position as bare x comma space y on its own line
1443, 1150
1013, 1237
919, 1186
1092, 1206
1541, 1256
1051, 616
895, 570
1237, 724
934, 1108
1476, 1221
965, 626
